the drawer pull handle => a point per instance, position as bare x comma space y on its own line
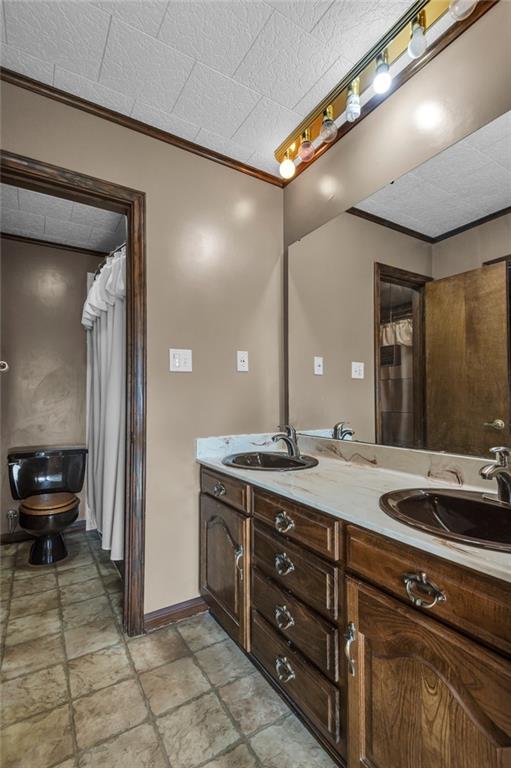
283, 523
283, 565
219, 490
283, 617
419, 587
238, 557
350, 636
284, 670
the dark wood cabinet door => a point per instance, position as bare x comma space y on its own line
224, 566
422, 696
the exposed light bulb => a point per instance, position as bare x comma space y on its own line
382, 78
353, 108
287, 167
461, 9
418, 43
328, 131
306, 150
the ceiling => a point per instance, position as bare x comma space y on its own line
465, 182
236, 77
44, 217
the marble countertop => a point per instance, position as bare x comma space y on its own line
351, 492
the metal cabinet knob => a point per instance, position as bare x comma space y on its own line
418, 587
284, 523
283, 564
219, 490
497, 424
4, 366
284, 670
283, 617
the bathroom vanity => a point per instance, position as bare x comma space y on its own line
394, 656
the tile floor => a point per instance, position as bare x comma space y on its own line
77, 693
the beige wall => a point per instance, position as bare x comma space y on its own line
468, 82
43, 393
331, 314
214, 283
470, 249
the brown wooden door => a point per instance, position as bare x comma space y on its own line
224, 569
467, 376
422, 696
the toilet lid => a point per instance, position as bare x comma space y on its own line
49, 503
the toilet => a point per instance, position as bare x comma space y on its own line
46, 480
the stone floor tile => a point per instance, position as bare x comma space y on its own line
223, 662
40, 742
201, 631
35, 603
34, 584
68, 764
196, 732
117, 601
156, 649
32, 655
138, 748
108, 712
77, 614
75, 559
24, 570
98, 670
24, 628
4, 610
113, 583
289, 745
77, 575
84, 590
239, 757
173, 684
107, 569
9, 550
253, 703
91, 637
7, 562
25, 696
6, 580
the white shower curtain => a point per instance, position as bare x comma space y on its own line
104, 318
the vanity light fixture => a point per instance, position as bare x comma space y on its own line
287, 167
353, 108
418, 43
328, 130
461, 9
382, 77
306, 149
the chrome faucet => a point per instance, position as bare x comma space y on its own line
340, 432
288, 435
501, 472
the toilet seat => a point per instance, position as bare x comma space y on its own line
49, 503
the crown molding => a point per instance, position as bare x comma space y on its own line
49, 244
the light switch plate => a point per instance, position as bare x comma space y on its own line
357, 370
241, 361
180, 360
318, 366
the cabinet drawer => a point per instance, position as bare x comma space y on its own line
318, 699
313, 580
474, 603
226, 489
313, 636
305, 526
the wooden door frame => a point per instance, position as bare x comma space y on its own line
50, 179
390, 274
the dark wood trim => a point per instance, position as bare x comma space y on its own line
471, 224
482, 7
164, 616
389, 224
21, 535
42, 177
390, 274
497, 261
285, 415
14, 78
49, 244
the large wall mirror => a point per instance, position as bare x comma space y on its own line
399, 310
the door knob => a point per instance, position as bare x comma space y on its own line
497, 424
3, 366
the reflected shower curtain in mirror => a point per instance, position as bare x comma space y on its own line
104, 318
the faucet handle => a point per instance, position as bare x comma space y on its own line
288, 430
502, 455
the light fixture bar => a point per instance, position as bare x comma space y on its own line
395, 42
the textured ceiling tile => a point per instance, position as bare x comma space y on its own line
25, 64
164, 121
9, 196
93, 91
3, 36
103, 241
284, 61
45, 205
67, 231
215, 102
141, 66
266, 127
491, 133
224, 146
264, 161
144, 15
70, 34
95, 217
30, 223
305, 13
218, 34
322, 87
459, 159
500, 152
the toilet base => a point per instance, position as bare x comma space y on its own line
47, 550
